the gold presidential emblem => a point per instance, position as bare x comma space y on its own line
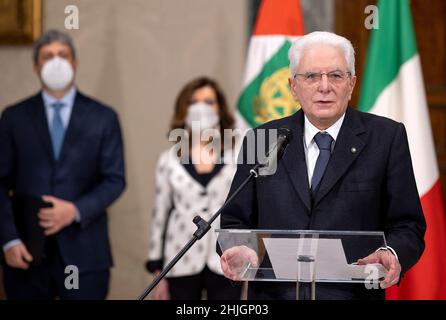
275, 100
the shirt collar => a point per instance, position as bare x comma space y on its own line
310, 130
67, 99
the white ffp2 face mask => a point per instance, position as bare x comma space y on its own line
203, 114
57, 73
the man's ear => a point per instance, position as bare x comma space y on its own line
352, 84
36, 69
292, 89
75, 65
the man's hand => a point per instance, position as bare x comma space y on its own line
18, 257
54, 219
389, 261
162, 289
235, 260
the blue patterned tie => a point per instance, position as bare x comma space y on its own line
57, 129
323, 141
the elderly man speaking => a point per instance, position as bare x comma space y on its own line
343, 170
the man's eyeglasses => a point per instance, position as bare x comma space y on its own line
334, 77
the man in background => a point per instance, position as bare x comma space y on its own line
61, 166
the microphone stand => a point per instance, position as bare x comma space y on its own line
203, 227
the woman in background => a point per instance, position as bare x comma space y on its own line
189, 183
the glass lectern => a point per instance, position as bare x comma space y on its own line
304, 256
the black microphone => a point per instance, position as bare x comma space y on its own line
268, 165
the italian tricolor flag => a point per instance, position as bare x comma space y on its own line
266, 94
393, 87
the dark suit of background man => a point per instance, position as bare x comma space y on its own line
343, 170
66, 149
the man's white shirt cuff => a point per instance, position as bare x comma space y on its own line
390, 249
10, 244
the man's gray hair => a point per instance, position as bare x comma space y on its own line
49, 37
321, 37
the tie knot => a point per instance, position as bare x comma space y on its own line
57, 106
323, 140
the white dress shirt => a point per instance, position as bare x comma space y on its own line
65, 111
310, 146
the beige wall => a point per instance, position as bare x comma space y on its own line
135, 55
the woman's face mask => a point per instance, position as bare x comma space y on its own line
57, 73
202, 115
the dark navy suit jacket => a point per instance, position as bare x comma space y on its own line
89, 172
372, 189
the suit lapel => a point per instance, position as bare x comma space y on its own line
38, 117
347, 148
294, 160
74, 126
